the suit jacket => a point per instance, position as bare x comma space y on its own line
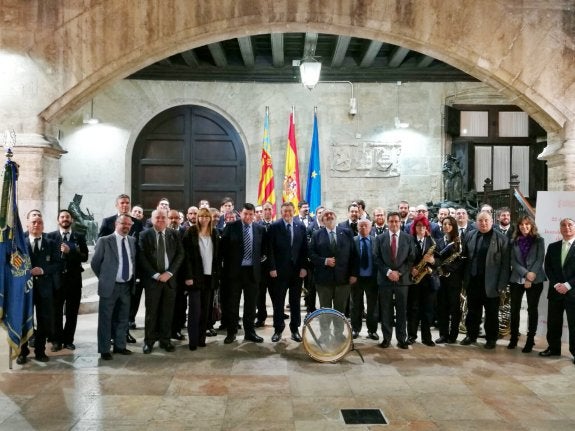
72, 262
497, 262
375, 228
193, 267
345, 257
534, 261
509, 233
404, 260
47, 258
109, 227
285, 258
347, 225
148, 252
106, 261
356, 242
433, 278
309, 219
560, 274
232, 249
435, 230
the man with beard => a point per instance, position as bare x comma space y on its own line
303, 214
504, 226
403, 210
73, 252
352, 218
191, 217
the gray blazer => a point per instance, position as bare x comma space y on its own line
535, 259
497, 263
105, 263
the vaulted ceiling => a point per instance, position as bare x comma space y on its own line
270, 58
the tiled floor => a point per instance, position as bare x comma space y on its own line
246, 386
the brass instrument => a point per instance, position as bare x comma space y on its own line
452, 258
504, 312
422, 267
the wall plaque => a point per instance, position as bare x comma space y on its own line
365, 159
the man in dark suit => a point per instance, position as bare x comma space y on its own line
366, 282
464, 226
394, 256
486, 276
114, 263
352, 218
109, 227
434, 228
46, 266
242, 251
334, 258
560, 270
309, 282
379, 225
262, 312
287, 263
303, 216
181, 301
504, 222
160, 255
73, 252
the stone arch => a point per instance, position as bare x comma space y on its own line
487, 39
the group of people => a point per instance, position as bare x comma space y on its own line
410, 270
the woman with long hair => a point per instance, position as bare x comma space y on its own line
451, 278
527, 276
201, 268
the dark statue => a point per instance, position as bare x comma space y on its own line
452, 179
83, 223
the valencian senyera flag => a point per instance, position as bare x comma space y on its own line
291, 189
16, 303
266, 190
313, 186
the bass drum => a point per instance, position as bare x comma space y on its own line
327, 335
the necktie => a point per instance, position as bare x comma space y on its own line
564, 252
36, 246
161, 256
461, 231
364, 258
504, 231
421, 245
247, 243
393, 246
332, 241
125, 262
65, 237
290, 234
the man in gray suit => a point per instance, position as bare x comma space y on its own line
114, 264
486, 276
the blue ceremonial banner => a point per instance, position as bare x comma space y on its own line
313, 187
16, 301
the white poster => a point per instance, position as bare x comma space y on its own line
551, 208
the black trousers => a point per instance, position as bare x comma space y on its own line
367, 286
44, 323
180, 306
247, 285
135, 299
67, 303
262, 313
533, 295
477, 300
449, 306
555, 310
311, 292
160, 298
198, 307
279, 287
420, 300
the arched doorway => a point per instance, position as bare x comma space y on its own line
185, 154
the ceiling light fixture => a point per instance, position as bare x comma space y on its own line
309, 70
91, 119
397, 121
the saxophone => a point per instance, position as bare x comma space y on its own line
422, 267
449, 260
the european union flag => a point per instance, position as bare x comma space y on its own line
313, 187
16, 301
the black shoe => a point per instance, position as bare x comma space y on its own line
178, 336
230, 339
295, 336
452, 340
255, 338
354, 334
41, 357
192, 348
132, 325
411, 340
211, 333
202, 343
548, 352
528, 348
384, 344
403, 345
106, 356
441, 340
130, 339
21, 360
467, 341
512, 344
372, 336
428, 343
260, 323
56, 347
147, 349
168, 347
70, 346
490, 344
276, 337
123, 351
286, 316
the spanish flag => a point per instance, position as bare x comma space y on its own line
266, 191
290, 189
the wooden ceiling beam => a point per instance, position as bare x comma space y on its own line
397, 56
218, 54
370, 53
340, 50
278, 57
247, 51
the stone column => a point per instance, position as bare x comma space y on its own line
39, 170
560, 157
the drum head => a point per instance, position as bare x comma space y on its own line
327, 335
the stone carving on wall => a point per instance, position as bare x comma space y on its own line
365, 159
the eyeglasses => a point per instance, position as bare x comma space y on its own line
421, 211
